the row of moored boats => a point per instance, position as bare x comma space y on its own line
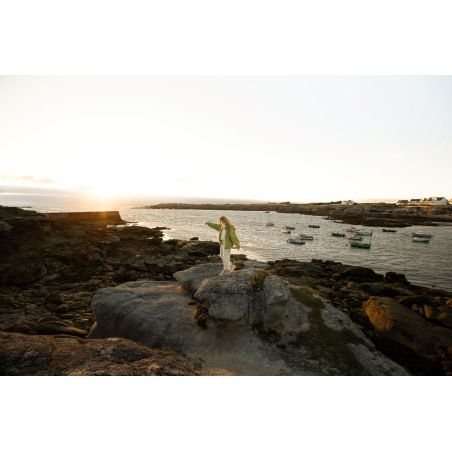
355, 239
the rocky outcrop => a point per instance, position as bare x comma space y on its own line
401, 324
256, 325
46, 355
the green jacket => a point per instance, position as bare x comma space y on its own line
230, 238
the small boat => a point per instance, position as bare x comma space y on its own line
295, 241
421, 240
389, 230
305, 237
354, 237
363, 233
285, 231
289, 227
313, 226
360, 245
420, 234
337, 234
270, 224
351, 229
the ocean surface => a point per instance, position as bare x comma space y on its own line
427, 264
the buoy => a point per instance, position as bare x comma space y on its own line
346, 244
432, 244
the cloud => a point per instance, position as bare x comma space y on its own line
31, 179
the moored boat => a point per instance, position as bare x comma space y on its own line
351, 229
305, 237
337, 234
270, 224
421, 240
389, 230
295, 241
354, 237
363, 233
289, 227
285, 231
360, 245
313, 226
420, 234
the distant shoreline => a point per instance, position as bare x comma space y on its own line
366, 214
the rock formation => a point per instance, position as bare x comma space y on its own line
256, 325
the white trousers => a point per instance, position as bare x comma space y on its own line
225, 256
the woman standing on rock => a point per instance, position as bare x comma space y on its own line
227, 238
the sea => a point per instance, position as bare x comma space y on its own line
426, 264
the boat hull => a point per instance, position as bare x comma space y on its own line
360, 245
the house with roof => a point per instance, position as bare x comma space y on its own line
439, 201
414, 202
402, 202
348, 203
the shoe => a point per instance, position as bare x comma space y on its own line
231, 268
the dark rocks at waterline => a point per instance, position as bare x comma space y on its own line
46, 355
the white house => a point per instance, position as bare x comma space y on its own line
348, 203
439, 201
414, 202
402, 202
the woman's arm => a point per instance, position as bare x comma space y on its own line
234, 239
214, 226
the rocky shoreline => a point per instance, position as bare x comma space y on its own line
362, 214
50, 272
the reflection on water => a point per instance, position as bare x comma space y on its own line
423, 263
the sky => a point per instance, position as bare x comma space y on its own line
148, 139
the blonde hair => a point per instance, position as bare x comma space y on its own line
226, 222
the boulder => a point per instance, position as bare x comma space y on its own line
54, 298
5, 227
199, 246
244, 328
46, 355
360, 273
401, 324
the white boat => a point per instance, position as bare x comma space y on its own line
421, 234
305, 237
285, 231
363, 233
295, 241
270, 224
289, 227
421, 239
354, 237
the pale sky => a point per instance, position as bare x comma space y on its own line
294, 138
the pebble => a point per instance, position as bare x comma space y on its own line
66, 316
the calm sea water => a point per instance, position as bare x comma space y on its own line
428, 264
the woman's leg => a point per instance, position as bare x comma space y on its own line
226, 259
222, 250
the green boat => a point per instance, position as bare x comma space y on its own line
360, 245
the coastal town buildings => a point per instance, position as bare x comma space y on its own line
433, 201
348, 203
402, 202
414, 202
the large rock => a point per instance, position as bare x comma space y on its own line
403, 325
46, 355
260, 330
